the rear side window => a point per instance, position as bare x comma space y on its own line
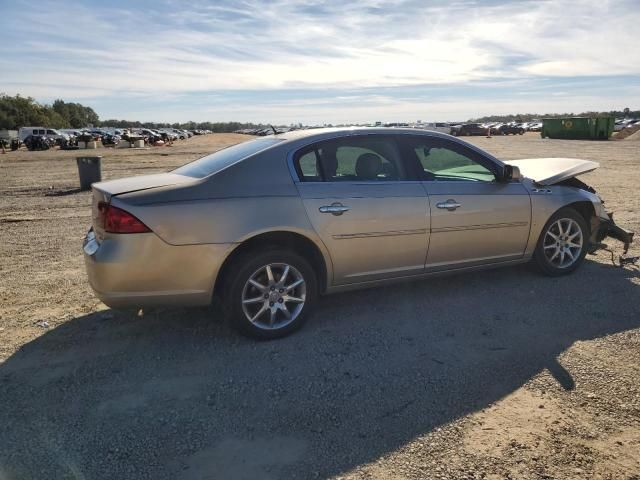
350, 159
309, 167
223, 158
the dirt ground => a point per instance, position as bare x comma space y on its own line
501, 374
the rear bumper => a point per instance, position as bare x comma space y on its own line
141, 270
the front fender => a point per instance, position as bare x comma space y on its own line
546, 200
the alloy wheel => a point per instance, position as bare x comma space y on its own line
274, 296
563, 243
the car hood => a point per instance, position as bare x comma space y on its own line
142, 182
547, 171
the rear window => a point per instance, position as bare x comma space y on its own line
223, 158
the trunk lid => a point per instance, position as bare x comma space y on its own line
547, 171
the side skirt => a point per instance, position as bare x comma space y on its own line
421, 276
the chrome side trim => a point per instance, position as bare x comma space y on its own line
394, 233
479, 227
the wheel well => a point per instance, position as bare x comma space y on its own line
293, 241
585, 209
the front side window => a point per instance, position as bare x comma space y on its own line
442, 160
366, 158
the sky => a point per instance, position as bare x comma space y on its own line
286, 61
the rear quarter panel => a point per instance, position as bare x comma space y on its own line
254, 196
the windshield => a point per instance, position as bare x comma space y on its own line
223, 158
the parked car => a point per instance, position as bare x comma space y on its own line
437, 127
150, 135
535, 127
49, 133
468, 129
110, 140
39, 142
623, 123
508, 129
268, 225
180, 134
168, 134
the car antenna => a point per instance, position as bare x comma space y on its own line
275, 132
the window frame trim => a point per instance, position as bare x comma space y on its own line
398, 135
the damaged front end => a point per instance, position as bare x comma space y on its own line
547, 172
602, 224
608, 228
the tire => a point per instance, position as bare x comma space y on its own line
557, 257
253, 266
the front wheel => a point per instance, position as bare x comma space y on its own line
270, 294
562, 245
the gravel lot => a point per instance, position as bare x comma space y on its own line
499, 374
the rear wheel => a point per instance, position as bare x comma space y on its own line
270, 294
562, 245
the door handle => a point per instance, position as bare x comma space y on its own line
450, 205
334, 209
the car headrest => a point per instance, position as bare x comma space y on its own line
368, 166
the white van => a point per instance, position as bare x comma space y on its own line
24, 132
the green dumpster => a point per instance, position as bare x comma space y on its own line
578, 128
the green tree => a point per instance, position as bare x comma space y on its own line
18, 111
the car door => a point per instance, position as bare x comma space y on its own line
476, 219
372, 219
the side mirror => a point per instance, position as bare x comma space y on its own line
511, 173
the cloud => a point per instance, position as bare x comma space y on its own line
160, 49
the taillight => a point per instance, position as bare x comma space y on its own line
116, 220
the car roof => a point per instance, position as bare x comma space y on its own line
320, 133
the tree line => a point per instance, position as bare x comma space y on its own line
19, 111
